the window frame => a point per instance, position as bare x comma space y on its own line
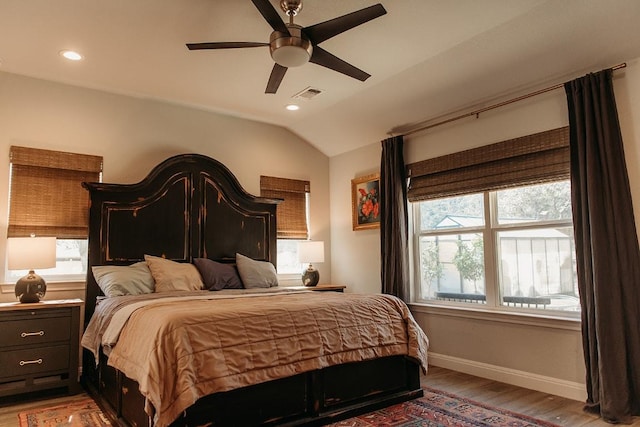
489, 231
294, 225
47, 169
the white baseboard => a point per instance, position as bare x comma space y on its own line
555, 386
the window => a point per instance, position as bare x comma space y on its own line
292, 217
46, 199
493, 226
524, 245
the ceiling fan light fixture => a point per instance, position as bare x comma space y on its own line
290, 50
291, 56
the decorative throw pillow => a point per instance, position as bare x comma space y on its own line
216, 275
173, 276
117, 280
256, 274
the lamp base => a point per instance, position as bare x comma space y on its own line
311, 277
31, 288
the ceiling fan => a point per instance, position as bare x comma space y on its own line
292, 45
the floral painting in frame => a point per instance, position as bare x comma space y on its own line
365, 201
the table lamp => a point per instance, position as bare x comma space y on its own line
29, 253
310, 252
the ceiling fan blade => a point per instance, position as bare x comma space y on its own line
326, 59
277, 74
271, 15
325, 30
224, 45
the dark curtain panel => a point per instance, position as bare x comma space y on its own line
393, 220
608, 259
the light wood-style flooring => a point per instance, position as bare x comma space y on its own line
544, 406
558, 410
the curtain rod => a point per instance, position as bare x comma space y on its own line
494, 106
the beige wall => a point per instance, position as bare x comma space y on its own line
536, 353
133, 135
356, 260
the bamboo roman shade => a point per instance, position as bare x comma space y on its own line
47, 198
291, 213
531, 159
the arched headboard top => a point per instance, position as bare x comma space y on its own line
177, 164
189, 206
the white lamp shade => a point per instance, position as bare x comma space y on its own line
310, 252
30, 253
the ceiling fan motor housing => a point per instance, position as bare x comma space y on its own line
290, 50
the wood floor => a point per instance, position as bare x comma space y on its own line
561, 411
558, 410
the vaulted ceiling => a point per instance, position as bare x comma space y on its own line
427, 58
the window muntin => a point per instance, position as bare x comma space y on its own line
533, 262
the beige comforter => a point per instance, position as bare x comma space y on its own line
181, 351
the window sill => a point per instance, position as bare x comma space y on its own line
497, 315
67, 285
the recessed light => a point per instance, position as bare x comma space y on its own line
292, 107
71, 55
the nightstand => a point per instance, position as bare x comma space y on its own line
40, 346
327, 288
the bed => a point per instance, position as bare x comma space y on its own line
328, 355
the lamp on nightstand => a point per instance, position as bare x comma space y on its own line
310, 252
29, 253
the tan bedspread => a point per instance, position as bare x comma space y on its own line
181, 351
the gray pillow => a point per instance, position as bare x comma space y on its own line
217, 276
256, 274
118, 280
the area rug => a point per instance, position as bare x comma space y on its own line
81, 413
436, 409
439, 409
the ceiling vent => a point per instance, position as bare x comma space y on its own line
307, 93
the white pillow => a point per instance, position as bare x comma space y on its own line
256, 274
118, 280
173, 276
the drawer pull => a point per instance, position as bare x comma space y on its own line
30, 362
32, 334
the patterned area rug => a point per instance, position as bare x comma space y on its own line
82, 413
439, 409
436, 409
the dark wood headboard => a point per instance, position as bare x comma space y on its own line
189, 206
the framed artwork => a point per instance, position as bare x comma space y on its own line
365, 196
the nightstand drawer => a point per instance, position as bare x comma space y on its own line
32, 361
35, 330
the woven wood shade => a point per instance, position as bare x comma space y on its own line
291, 214
537, 158
46, 197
